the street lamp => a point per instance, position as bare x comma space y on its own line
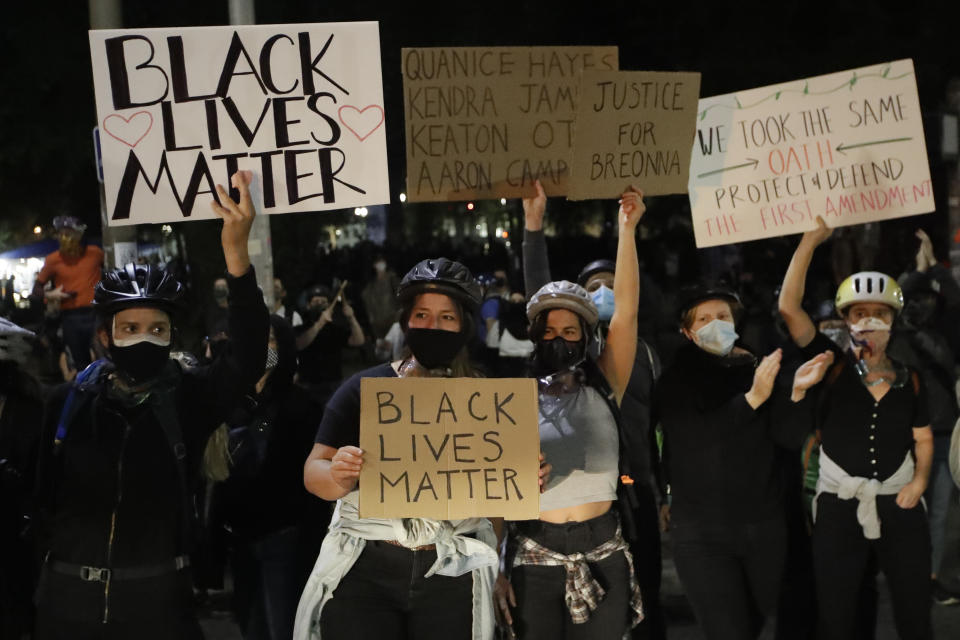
37, 230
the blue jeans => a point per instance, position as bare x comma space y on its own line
78, 326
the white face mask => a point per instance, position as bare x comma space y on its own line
870, 324
871, 335
137, 338
717, 337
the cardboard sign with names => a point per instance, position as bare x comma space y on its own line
180, 110
449, 448
847, 146
633, 127
486, 122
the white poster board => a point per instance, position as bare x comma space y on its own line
180, 110
847, 146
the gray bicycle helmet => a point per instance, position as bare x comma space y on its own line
563, 294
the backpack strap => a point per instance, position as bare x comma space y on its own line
77, 397
164, 406
627, 500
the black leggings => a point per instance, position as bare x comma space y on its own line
841, 556
541, 611
731, 574
385, 596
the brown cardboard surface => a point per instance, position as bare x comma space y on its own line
633, 127
486, 122
449, 448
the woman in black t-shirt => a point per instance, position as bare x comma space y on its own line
379, 578
876, 451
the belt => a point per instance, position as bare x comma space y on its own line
426, 547
103, 574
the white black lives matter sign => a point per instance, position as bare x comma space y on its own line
180, 110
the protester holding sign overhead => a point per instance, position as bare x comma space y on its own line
876, 451
638, 444
121, 449
582, 381
399, 578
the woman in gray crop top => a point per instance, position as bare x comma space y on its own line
578, 534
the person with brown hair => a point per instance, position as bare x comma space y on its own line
876, 450
411, 578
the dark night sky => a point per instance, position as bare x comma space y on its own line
46, 158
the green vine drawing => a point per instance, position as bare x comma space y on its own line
846, 84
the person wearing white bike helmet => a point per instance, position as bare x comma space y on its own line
876, 450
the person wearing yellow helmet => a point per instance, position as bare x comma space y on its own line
876, 449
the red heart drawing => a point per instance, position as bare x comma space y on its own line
127, 129
360, 122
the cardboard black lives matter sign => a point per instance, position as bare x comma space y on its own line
486, 122
180, 110
449, 448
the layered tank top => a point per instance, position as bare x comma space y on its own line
578, 436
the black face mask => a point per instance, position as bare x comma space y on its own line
435, 348
557, 354
140, 362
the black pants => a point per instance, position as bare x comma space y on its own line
841, 556
731, 574
385, 596
160, 608
541, 611
648, 565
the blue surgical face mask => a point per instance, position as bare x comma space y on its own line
717, 337
602, 297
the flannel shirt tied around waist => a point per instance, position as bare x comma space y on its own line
583, 593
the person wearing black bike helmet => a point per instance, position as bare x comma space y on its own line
725, 517
122, 446
412, 577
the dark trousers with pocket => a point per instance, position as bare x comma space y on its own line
731, 574
842, 555
541, 611
385, 596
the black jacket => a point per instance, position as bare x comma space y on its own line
718, 451
110, 494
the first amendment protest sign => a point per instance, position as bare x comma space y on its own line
487, 122
182, 109
847, 146
449, 448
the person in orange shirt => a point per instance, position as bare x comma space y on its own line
75, 270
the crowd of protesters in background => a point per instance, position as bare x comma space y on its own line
714, 464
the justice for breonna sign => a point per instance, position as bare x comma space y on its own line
180, 110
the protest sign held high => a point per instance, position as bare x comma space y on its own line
181, 110
847, 146
633, 127
487, 122
449, 448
